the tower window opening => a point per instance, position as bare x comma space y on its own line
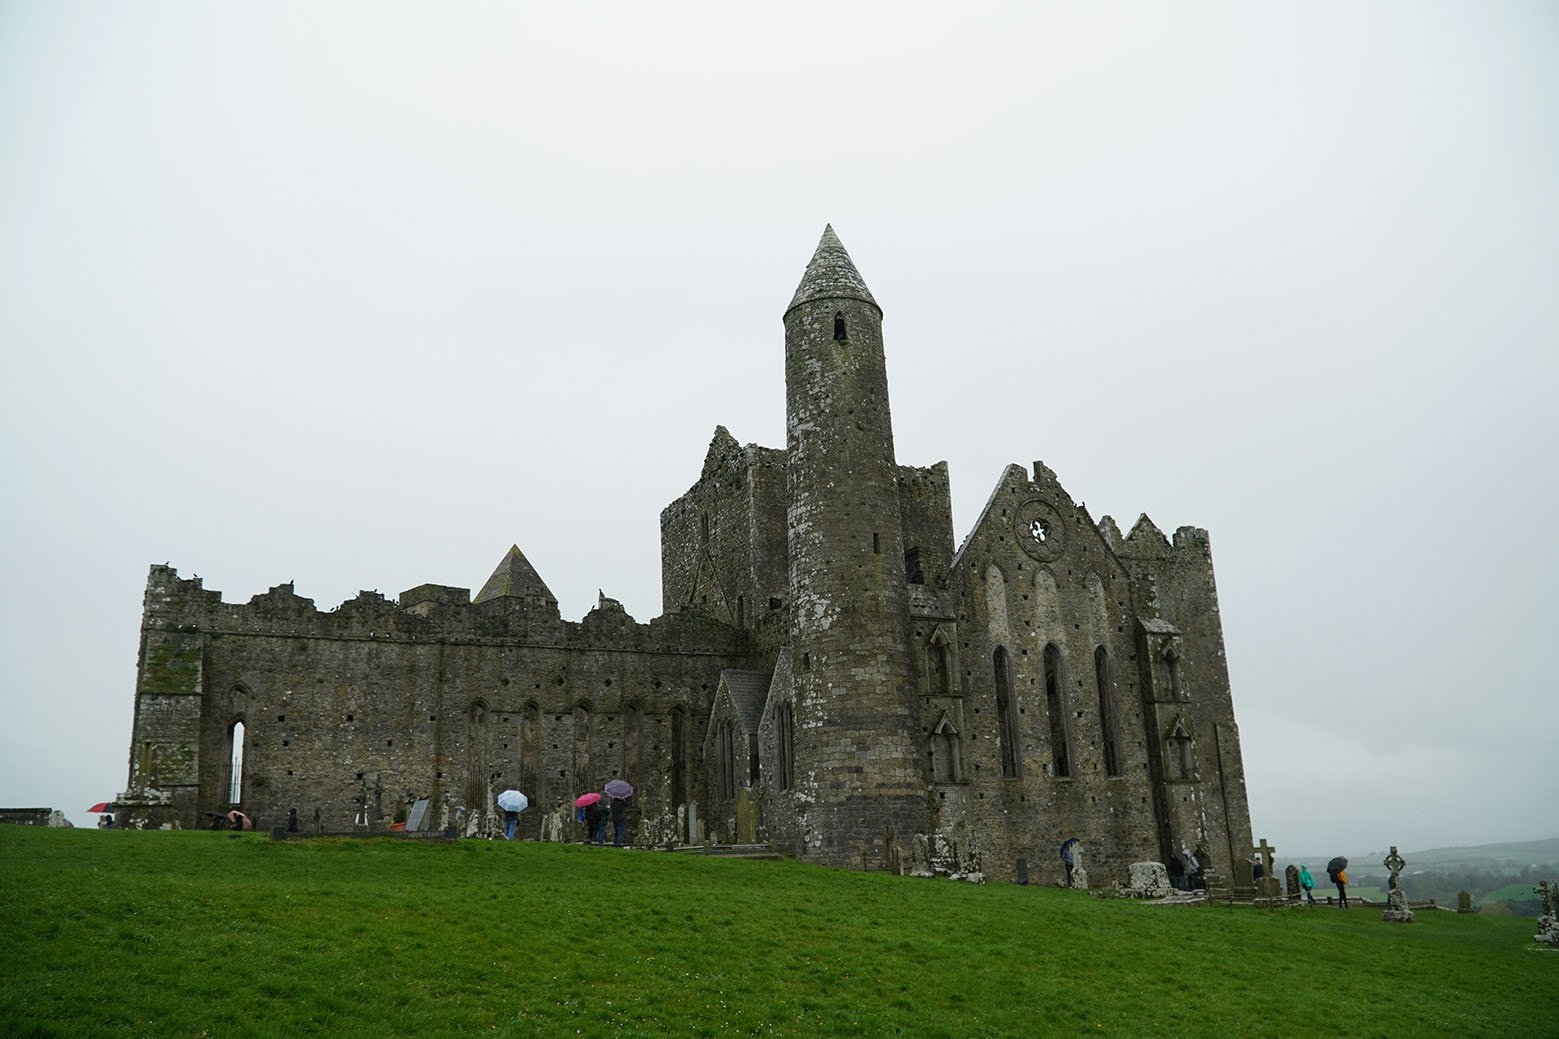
840, 335
876, 544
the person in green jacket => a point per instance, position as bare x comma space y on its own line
1307, 882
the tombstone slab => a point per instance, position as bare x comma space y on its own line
419, 814
1148, 880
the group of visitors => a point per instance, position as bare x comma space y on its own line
1336, 872
595, 817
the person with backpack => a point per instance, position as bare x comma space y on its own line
1340, 878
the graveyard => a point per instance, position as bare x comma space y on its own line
205, 933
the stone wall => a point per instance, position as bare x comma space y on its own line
379, 703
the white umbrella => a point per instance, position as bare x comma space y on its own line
513, 801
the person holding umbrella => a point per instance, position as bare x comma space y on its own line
1337, 870
512, 802
595, 819
619, 790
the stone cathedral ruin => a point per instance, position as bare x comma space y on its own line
831, 676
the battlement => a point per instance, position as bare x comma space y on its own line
428, 612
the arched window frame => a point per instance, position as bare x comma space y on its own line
946, 752
1109, 719
1179, 753
785, 746
235, 761
1056, 708
1006, 716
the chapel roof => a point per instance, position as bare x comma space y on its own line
749, 691
514, 577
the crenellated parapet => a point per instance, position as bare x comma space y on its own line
427, 613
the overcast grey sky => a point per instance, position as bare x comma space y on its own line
359, 295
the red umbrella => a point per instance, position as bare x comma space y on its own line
101, 807
586, 799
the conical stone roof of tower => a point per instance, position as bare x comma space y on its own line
514, 577
831, 275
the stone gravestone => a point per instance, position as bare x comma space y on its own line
1079, 875
1267, 887
1244, 882
418, 816
1396, 910
746, 817
1464, 901
1548, 923
1291, 882
1148, 880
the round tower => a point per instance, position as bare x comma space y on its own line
858, 764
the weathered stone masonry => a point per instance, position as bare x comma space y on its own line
829, 676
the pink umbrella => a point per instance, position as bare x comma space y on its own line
586, 799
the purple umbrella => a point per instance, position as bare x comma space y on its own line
619, 788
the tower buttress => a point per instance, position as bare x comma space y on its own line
857, 756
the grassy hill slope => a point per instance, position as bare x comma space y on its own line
190, 934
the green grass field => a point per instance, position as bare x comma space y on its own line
125, 933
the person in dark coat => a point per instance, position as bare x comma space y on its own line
595, 823
292, 820
1340, 878
619, 820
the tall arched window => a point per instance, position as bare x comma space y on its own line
631, 752
937, 664
476, 753
946, 758
584, 778
1055, 706
839, 329
235, 763
679, 725
785, 747
1109, 726
1178, 752
725, 760
1006, 720
530, 750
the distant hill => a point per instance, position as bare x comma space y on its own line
1494, 874
1543, 854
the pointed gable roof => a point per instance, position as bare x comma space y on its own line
749, 691
831, 275
514, 577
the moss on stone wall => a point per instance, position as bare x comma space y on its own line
171, 667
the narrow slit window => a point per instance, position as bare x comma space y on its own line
839, 330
